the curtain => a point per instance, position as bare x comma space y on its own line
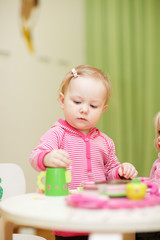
123, 39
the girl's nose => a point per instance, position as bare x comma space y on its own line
84, 109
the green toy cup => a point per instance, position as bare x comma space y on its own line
56, 183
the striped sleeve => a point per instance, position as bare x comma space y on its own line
49, 141
111, 163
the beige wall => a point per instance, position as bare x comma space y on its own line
29, 82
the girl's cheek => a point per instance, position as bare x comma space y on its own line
157, 145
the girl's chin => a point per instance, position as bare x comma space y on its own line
85, 131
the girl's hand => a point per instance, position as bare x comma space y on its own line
57, 158
127, 170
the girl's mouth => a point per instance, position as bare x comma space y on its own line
82, 119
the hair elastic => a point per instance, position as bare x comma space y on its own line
74, 72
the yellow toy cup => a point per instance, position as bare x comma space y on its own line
56, 183
136, 190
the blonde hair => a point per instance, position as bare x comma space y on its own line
87, 71
157, 121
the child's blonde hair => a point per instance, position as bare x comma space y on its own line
157, 121
87, 71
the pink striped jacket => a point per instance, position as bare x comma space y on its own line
155, 171
92, 156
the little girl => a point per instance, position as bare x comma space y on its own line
154, 177
155, 171
75, 141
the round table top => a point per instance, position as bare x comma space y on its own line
38, 210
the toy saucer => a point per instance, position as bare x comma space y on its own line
93, 202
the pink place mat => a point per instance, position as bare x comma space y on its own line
93, 202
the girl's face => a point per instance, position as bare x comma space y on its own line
83, 103
157, 140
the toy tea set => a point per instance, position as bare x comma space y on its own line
116, 194
110, 194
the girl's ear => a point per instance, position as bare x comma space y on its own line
104, 108
61, 100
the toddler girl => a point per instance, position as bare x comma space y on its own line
75, 141
155, 171
154, 177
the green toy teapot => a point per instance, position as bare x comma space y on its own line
56, 183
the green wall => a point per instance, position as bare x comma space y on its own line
123, 39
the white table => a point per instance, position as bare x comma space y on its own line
39, 211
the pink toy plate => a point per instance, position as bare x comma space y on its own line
93, 202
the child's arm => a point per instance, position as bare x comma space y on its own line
47, 152
127, 170
155, 170
116, 170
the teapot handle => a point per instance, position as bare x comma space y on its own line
68, 176
153, 187
39, 180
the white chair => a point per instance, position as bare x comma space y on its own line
13, 183
103, 236
26, 237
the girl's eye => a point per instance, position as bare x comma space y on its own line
159, 132
76, 102
93, 106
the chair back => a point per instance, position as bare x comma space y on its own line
13, 183
12, 180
